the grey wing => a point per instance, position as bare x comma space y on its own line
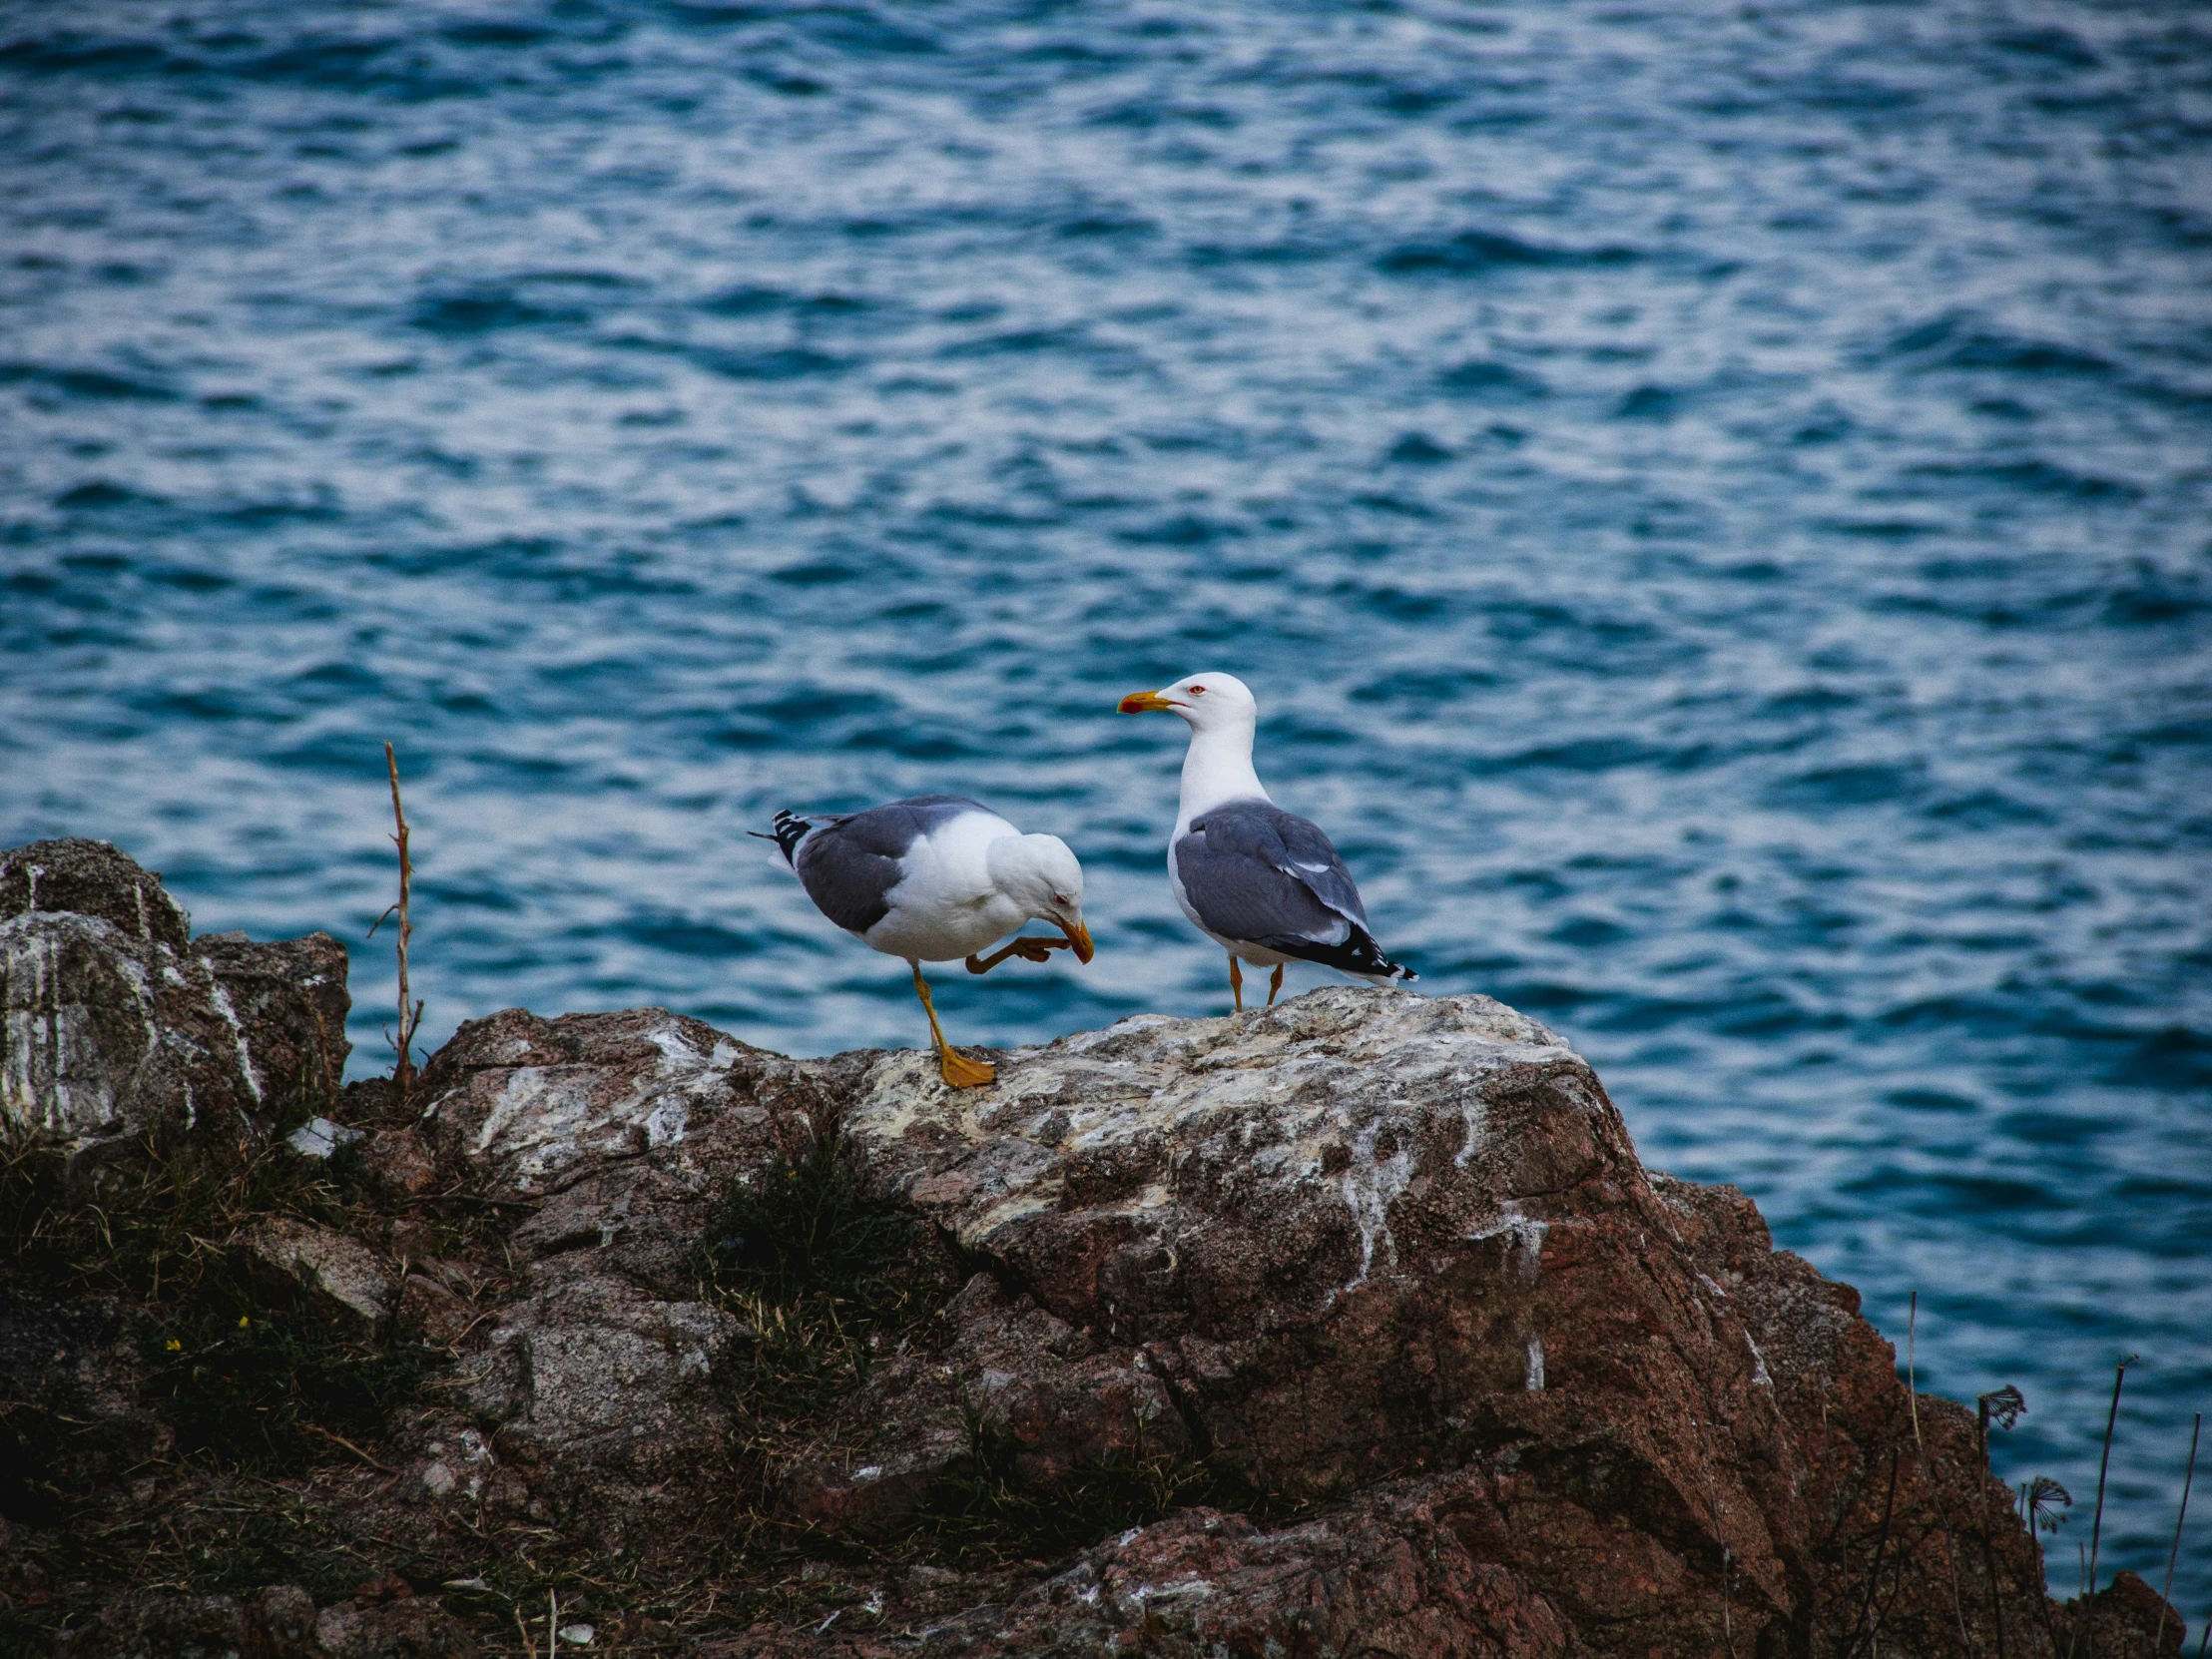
1253, 872
1314, 861
848, 864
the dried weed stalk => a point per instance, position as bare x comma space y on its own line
2096, 1527
411, 1011
2174, 1555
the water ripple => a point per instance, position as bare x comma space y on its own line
1713, 502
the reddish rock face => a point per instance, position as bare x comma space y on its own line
1351, 1235
1389, 1262
1375, 1284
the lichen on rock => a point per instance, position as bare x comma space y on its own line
114, 1022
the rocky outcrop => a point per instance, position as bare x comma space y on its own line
114, 1022
1354, 1325
1390, 1262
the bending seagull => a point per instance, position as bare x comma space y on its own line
1263, 883
934, 879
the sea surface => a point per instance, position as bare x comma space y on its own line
1715, 502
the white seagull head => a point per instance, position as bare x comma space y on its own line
1210, 702
1039, 873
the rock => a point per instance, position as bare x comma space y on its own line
1390, 1578
398, 1163
410, 1629
1354, 1325
536, 1107
287, 1617
2114, 1620
596, 1381
91, 878
321, 1139
71, 1420
118, 1025
604, 1136
1320, 1229
1389, 1264
276, 1623
610, 1135
344, 1281
1061, 1401
290, 998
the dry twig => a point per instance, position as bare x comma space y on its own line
411, 1011
2096, 1527
380, 1468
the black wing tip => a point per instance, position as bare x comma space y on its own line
1357, 955
1388, 972
791, 830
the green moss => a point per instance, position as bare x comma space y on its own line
801, 1229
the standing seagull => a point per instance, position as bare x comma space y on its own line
1263, 883
935, 878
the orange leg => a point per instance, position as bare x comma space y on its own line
1275, 984
958, 1070
1236, 981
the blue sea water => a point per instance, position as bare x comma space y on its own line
1715, 502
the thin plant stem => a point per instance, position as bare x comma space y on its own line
2173, 1556
2003, 1407
411, 1011
2097, 1525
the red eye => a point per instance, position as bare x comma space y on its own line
1196, 691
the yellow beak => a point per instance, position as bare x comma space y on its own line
1144, 702
1080, 938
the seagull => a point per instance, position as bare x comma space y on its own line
934, 879
1263, 883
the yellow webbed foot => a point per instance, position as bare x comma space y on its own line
960, 1072
1029, 950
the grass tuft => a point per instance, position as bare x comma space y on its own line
254, 1390
235, 1359
991, 1513
801, 1229
820, 1279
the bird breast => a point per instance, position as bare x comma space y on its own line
945, 905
